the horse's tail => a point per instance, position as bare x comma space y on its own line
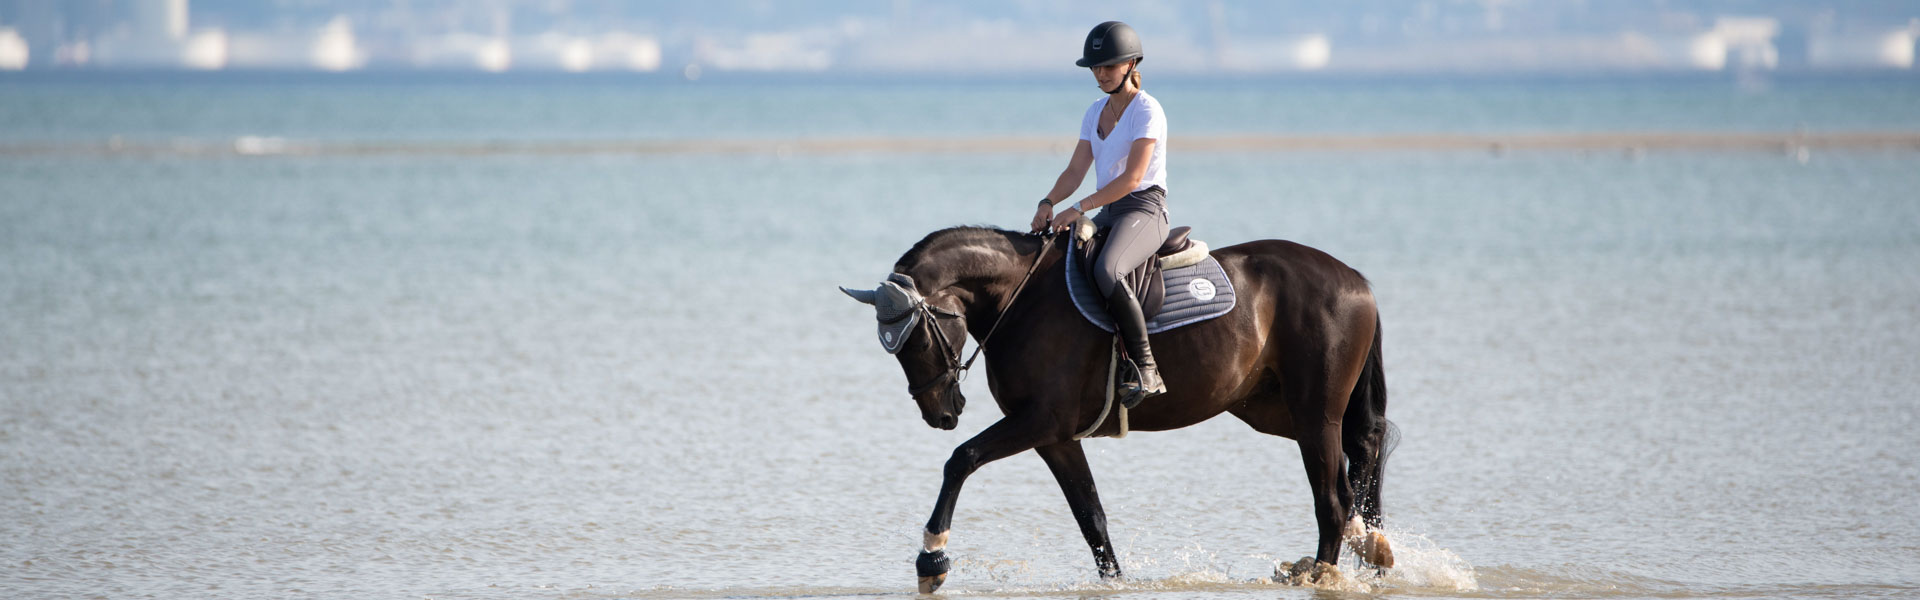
1367, 435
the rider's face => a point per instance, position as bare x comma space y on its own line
1110, 75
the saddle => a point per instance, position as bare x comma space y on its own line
1184, 285
1145, 281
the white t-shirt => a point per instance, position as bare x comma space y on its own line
1141, 119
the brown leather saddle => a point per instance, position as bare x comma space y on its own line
1145, 281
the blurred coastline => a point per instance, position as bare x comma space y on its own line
1194, 37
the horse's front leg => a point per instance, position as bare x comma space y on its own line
1007, 437
1069, 465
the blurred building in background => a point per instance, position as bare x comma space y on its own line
922, 36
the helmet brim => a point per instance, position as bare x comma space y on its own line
1111, 61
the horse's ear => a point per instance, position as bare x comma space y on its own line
864, 296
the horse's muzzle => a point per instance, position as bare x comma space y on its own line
944, 421
947, 416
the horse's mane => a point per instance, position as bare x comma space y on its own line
959, 234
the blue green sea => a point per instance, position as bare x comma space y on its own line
469, 365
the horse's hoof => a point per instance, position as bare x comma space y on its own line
1307, 572
1369, 544
932, 568
929, 584
1375, 550
1324, 573
1294, 573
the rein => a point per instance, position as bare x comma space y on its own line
956, 370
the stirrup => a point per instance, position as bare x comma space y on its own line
1135, 391
1133, 396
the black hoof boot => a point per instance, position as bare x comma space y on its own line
1109, 568
932, 568
1132, 326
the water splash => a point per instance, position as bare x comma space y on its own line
1419, 565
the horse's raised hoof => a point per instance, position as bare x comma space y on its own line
932, 568
1369, 544
1375, 550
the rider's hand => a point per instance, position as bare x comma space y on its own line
1064, 220
1042, 217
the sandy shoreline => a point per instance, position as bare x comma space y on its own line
1788, 142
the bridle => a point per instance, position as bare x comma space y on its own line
957, 370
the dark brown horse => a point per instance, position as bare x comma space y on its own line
1297, 357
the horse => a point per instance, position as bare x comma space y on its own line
1298, 357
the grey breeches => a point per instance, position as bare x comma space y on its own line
1136, 226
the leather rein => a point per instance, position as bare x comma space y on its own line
956, 370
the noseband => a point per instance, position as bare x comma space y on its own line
956, 370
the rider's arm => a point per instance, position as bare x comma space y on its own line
1064, 186
1137, 159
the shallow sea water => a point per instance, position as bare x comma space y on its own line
1617, 375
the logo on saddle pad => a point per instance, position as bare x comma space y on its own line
1201, 289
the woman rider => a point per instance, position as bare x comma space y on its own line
1123, 138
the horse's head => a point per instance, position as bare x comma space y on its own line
926, 337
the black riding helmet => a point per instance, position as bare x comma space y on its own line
1110, 43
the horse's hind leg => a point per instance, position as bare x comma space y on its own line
1318, 396
1069, 465
1367, 437
1271, 412
1363, 437
1365, 434
1320, 453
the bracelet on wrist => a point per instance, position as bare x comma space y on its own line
1047, 201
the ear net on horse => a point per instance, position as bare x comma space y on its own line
896, 305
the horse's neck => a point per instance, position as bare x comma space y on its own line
983, 276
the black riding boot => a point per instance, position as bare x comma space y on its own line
1132, 325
